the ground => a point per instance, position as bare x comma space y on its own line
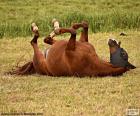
69, 96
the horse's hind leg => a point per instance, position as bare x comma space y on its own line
39, 61
84, 33
72, 40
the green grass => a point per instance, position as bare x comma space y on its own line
102, 15
69, 96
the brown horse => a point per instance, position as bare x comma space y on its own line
68, 58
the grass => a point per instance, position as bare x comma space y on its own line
69, 96
104, 15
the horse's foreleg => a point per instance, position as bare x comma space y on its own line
39, 61
84, 33
50, 39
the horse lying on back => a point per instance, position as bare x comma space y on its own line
68, 58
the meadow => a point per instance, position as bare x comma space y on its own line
68, 96
102, 15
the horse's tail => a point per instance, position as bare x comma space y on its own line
26, 69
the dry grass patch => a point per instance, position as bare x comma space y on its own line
69, 96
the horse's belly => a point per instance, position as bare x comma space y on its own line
56, 61
61, 62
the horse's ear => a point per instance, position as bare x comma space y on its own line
119, 43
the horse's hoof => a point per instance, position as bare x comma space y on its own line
53, 20
75, 26
34, 27
85, 24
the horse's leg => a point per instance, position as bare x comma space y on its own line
72, 40
39, 61
84, 33
49, 40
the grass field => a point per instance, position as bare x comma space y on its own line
69, 96
102, 15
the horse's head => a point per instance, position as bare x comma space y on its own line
113, 45
118, 56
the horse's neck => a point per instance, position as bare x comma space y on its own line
108, 69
